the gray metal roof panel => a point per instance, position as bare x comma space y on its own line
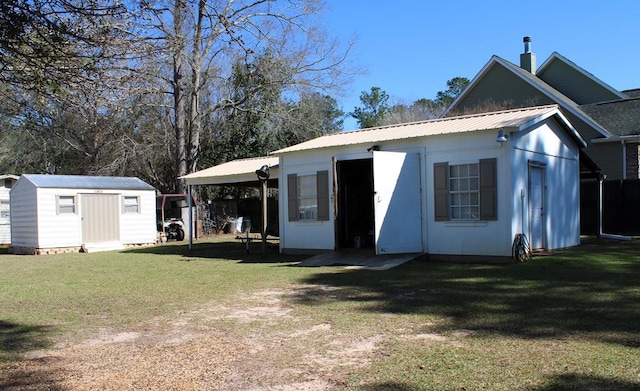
87, 182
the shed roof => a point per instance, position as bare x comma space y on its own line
516, 119
87, 182
240, 171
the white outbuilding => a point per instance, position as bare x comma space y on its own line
449, 188
6, 183
70, 213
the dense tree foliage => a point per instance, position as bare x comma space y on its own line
376, 111
149, 88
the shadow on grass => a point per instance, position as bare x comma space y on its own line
590, 292
579, 382
17, 338
564, 382
221, 248
14, 340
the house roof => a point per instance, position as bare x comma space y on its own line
556, 59
235, 172
516, 119
537, 83
620, 117
87, 182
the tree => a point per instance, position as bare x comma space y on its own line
455, 88
374, 108
205, 38
425, 109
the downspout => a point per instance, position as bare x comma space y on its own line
624, 159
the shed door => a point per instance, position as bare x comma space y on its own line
398, 216
536, 206
100, 218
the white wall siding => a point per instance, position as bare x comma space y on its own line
303, 235
548, 146
5, 224
139, 228
483, 238
58, 230
24, 215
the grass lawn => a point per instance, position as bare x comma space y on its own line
566, 321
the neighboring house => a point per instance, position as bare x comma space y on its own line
446, 187
6, 183
68, 213
607, 119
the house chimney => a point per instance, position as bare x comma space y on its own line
528, 59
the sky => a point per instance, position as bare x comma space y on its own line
411, 48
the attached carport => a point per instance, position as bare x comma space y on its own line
240, 172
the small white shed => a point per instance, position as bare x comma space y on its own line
6, 183
70, 213
460, 186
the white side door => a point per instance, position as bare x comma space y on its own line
536, 207
397, 204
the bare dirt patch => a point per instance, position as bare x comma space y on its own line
255, 343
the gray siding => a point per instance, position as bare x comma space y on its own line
503, 90
574, 84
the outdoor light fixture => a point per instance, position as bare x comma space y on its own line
502, 136
373, 148
263, 173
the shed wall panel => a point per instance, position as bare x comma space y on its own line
24, 215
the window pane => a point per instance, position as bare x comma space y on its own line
66, 204
130, 204
307, 197
473, 184
464, 191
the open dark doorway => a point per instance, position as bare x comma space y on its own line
355, 222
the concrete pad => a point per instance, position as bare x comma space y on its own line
358, 259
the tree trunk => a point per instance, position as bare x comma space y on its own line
178, 98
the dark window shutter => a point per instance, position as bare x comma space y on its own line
488, 190
441, 191
292, 193
322, 178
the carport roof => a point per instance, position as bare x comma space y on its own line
235, 172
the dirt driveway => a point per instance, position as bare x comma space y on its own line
254, 344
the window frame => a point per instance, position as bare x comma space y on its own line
125, 210
487, 194
5, 212
464, 199
321, 197
63, 208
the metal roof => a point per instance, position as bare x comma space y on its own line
87, 182
516, 119
234, 172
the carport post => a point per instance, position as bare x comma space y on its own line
190, 201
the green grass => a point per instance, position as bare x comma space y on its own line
567, 321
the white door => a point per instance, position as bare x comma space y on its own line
100, 218
536, 207
398, 217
